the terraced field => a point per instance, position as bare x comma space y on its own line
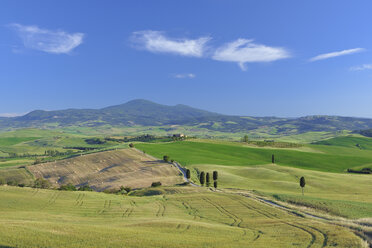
110, 169
182, 217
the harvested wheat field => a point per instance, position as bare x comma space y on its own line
107, 170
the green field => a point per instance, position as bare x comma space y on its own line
328, 188
182, 217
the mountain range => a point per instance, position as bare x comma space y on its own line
147, 113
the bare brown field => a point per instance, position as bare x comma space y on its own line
108, 170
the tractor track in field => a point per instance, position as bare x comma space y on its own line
190, 210
106, 207
35, 192
183, 227
295, 225
79, 200
52, 199
127, 212
161, 209
237, 221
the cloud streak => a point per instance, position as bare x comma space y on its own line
184, 75
336, 54
361, 67
244, 51
157, 42
49, 41
11, 114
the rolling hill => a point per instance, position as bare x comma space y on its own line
147, 113
108, 170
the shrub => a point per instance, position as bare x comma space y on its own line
122, 190
21, 185
12, 183
37, 161
156, 184
41, 183
127, 189
68, 187
166, 158
131, 145
188, 174
85, 188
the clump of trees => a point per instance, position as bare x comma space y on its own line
41, 183
204, 178
245, 139
166, 158
95, 141
156, 184
85, 188
68, 187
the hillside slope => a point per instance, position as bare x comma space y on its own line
105, 170
147, 113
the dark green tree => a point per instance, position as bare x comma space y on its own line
215, 184
215, 175
166, 158
188, 174
131, 145
302, 184
272, 159
245, 138
202, 178
208, 181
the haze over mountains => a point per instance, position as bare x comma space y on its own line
147, 113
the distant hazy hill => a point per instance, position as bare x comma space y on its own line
146, 113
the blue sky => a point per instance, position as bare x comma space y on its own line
260, 58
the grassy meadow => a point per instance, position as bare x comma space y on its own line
180, 217
329, 188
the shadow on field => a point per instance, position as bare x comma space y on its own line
153, 162
5, 246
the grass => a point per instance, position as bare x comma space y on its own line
244, 167
182, 217
188, 153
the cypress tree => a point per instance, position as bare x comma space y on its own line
215, 175
302, 184
215, 184
188, 174
202, 178
207, 179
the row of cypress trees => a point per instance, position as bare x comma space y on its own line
204, 178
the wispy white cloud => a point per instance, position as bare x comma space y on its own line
244, 51
49, 41
157, 42
184, 75
361, 67
11, 114
336, 54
